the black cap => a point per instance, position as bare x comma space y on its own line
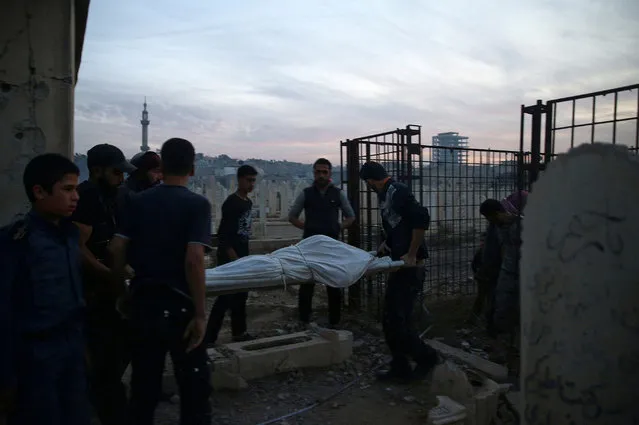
146, 161
106, 155
372, 170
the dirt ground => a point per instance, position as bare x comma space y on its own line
364, 401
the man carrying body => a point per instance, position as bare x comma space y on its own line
148, 174
321, 204
404, 222
164, 236
107, 333
233, 236
42, 363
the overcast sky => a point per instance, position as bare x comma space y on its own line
288, 79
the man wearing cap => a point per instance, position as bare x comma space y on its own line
148, 173
108, 345
404, 222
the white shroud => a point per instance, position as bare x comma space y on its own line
318, 259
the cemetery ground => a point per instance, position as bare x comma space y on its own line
364, 401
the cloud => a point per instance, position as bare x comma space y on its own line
287, 79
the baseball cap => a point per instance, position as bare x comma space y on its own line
105, 155
146, 160
372, 170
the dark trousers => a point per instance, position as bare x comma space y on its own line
236, 304
159, 318
108, 343
506, 314
52, 380
402, 288
305, 303
485, 297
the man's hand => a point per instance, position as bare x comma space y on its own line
129, 273
409, 260
232, 254
194, 333
7, 398
383, 249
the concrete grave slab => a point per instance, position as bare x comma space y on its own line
579, 290
514, 398
268, 356
236, 363
447, 412
492, 370
486, 402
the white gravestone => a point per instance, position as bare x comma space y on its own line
580, 291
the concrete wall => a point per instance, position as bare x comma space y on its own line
37, 78
579, 291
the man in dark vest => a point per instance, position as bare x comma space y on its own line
321, 204
107, 332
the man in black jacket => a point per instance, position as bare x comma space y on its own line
107, 333
404, 222
321, 204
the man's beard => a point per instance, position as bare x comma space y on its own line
153, 183
106, 189
322, 183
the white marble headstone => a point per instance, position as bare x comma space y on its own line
580, 291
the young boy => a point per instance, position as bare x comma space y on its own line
42, 364
233, 235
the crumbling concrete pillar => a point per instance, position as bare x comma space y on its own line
579, 291
40, 45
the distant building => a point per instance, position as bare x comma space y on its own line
450, 148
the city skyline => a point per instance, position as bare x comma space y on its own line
291, 80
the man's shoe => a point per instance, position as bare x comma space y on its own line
244, 337
394, 376
424, 368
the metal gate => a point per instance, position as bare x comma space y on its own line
607, 116
450, 182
